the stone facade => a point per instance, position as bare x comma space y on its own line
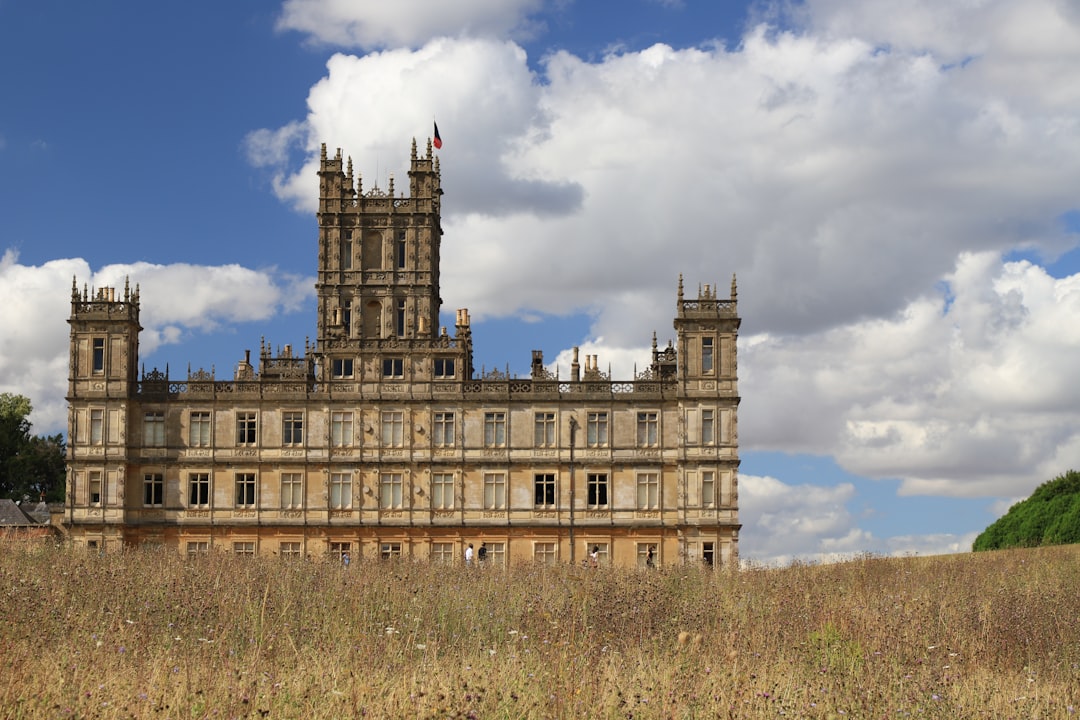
381, 440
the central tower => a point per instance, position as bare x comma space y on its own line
378, 275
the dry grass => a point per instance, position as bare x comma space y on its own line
149, 634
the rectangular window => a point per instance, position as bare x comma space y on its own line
708, 427
245, 489
390, 551
153, 490
708, 489
338, 551
292, 428
647, 429
544, 429
340, 491
648, 491
197, 548
599, 553
442, 552
245, 548
391, 486
596, 429
341, 429
292, 491
200, 430
597, 490
496, 555
346, 322
495, 429
393, 367
97, 425
154, 429
545, 552
400, 318
646, 555
400, 248
341, 367
706, 355
494, 491
393, 429
544, 490
98, 360
97, 489
347, 251
444, 368
199, 490
289, 550
245, 428
708, 553
442, 491
443, 430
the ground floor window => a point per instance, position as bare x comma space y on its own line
496, 554
646, 555
390, 551
289, 550
598, 553
245, 548
196, 548
708, 553
442, 552
339, 551
545, 552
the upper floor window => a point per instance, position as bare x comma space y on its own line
393, 428
443, 430
245, 428
245, 489
292, 491
647, 429
544, 429
708, 488
97, 425
393, 367
341, 429
96, 487
596, 429
98, 359
708, 427
347, 251
495, 429
154, 429
341, 367
442, 491
494, 491
648, 491
340, 491
444, 368
199, 490
706, 355
399, 317
200, 430
292, 428
153, 490
544, 490
597, 490
399, 251
391, 490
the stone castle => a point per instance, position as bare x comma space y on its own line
381, 440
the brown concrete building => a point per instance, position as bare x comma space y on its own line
380, 440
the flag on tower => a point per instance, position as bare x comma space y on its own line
438, 140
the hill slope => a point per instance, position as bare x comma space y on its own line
1051, 516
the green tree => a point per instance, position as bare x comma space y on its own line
1051, 516
30, 467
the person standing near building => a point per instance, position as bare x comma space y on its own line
481, 554
468, 555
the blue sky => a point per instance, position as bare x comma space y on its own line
892, 183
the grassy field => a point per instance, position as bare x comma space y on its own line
149, 634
